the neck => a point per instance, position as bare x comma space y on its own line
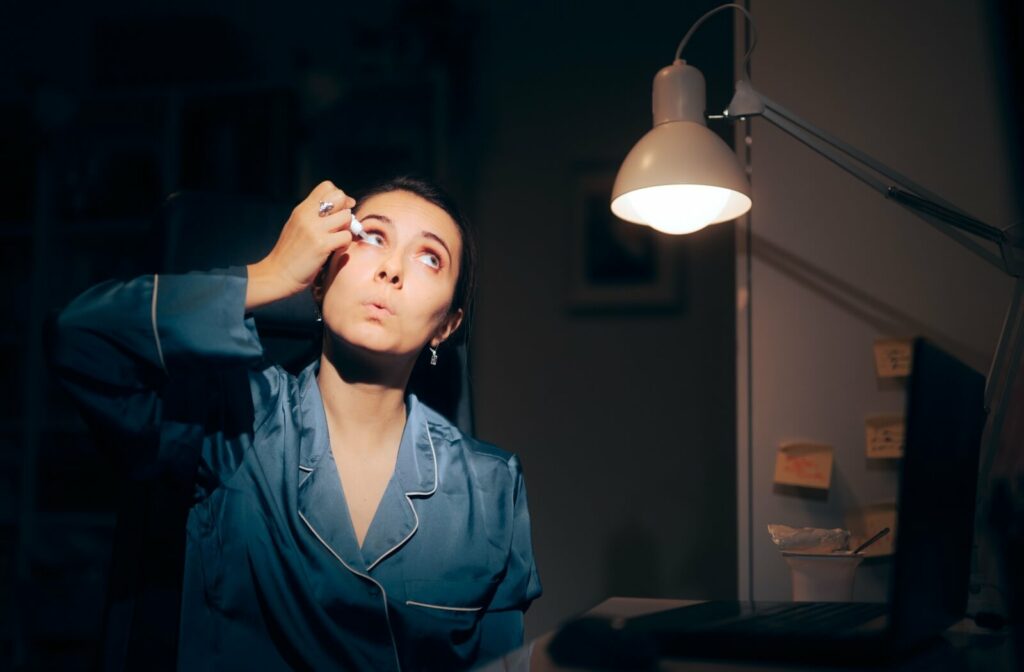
364, 399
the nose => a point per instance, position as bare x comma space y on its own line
390, 271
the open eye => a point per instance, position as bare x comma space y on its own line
374, 239
431, 260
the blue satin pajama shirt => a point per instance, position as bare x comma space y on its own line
274, 577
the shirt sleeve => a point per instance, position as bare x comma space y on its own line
503, 623
116, 345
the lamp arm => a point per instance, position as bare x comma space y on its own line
1008, 358
939, 213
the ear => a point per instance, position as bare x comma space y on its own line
451, 323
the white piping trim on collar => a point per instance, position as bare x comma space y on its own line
156, 333
444, 608
408, 498
384, 594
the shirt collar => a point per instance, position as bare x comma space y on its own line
321, 501
416, 467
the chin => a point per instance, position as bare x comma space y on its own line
371, 337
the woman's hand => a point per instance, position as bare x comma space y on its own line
306, 241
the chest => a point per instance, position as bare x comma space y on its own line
363, 482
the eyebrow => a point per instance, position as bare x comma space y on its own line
426, 234
434, 236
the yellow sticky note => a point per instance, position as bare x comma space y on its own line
892, 357
884, 436
807, 465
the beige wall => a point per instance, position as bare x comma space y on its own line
835, 266
624, 422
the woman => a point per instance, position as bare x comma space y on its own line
337, 521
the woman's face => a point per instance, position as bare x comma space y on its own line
394, 297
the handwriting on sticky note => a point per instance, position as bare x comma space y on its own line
807, 465
892, 358
884, 436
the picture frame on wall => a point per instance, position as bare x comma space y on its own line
615, 265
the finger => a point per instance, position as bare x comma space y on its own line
334, 200
325, 206
319, 199
338, 220
339, 240
321, 190
339, 198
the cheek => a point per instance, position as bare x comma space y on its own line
425, 307
346, 272
333, 266
434, 295
423, 314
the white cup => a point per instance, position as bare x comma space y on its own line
822, 577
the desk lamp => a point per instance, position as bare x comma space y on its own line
681, 177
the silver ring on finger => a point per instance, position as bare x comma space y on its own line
325, 207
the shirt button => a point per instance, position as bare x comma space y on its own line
374, 592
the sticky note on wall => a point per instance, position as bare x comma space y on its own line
884, 436
808, 465
892, 357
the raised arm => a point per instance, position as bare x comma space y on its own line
118, 343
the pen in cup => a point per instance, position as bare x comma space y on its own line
872, 540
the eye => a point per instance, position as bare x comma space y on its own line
375, 239
431, 260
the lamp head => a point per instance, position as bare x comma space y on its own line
680, 176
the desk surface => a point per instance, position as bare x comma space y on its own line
965, 649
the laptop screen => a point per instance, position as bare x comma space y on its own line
944, 422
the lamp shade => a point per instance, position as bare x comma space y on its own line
680, 176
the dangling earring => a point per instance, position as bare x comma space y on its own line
433, 355
316, 311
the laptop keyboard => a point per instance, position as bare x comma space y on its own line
807, 617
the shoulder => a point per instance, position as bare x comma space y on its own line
272, 384
272, 388
480, 455
268, 383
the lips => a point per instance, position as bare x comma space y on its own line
379, 307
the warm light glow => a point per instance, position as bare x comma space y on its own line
680, 208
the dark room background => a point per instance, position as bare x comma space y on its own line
614, 383
643, 380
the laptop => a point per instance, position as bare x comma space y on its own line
932, 559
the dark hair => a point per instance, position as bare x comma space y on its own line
465, 285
